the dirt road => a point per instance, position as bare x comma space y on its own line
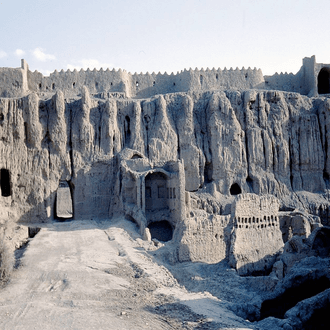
87, 275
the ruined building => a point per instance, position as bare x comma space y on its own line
205, 159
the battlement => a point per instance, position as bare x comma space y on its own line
140, 85
15, 82
133, 85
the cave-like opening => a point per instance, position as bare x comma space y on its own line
5, 182
235, 189
278, 306
323, 81
161, 230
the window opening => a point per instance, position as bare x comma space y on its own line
235, 189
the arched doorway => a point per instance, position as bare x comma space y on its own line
235, 189
161, 230
323, 81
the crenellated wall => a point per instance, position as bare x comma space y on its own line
146, 85
20, 81
288, 82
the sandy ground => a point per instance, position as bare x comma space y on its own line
91, 275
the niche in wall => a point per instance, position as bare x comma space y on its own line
127, 130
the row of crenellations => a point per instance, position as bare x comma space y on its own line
202, 70
146, 85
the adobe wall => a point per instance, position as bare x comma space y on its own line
305, 81
147, 85
273, 142
18, 82
14, 82
257, 237
151, 192
288, 82
93, 186
204, 238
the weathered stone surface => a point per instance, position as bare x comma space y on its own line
204, 238
175, 163
256, 141
257, 237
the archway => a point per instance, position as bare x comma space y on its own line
155, 191
161, 230
323, 81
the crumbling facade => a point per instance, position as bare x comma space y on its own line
211, 158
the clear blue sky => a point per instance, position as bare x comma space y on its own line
163, 35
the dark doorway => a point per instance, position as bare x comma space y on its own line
235, 189
5, 182
161, 230
127, 129
208, 169
323, 81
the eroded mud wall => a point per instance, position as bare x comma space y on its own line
266, 142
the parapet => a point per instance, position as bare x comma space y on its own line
307, 81
135, 85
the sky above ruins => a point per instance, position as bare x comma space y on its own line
153, 35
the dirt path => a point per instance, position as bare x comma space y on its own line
84, 275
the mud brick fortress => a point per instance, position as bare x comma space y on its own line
222, 164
